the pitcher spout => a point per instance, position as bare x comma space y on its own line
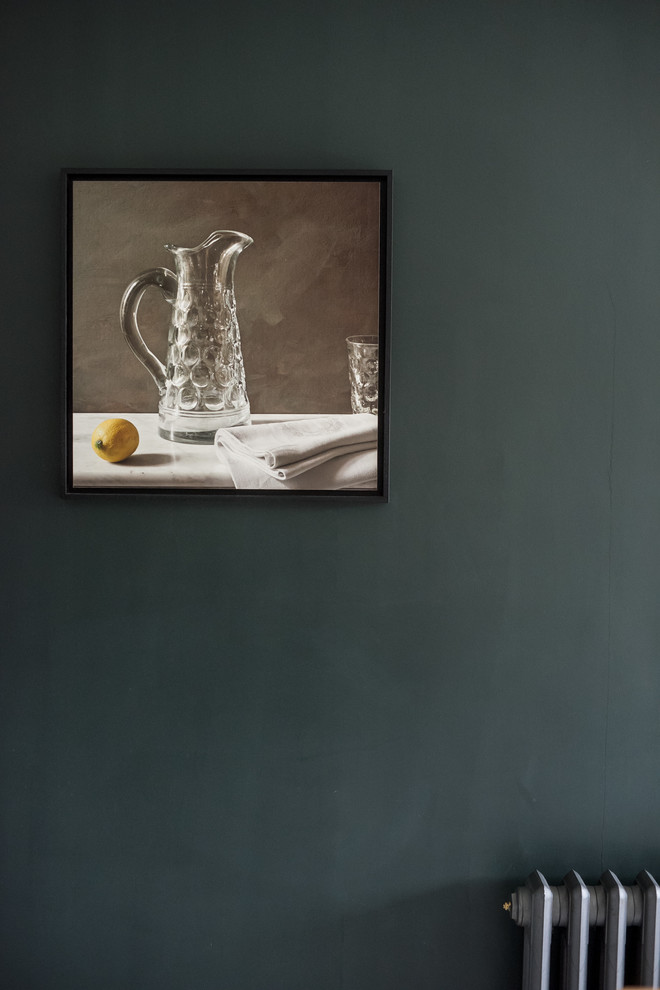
213, 260
219, 239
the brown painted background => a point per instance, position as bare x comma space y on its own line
308, 281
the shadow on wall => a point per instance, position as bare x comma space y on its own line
430, 942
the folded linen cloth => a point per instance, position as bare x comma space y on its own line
291, 453
348, 471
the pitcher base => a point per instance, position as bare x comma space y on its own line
198, 427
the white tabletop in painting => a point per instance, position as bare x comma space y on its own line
157, 463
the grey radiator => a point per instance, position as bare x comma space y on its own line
558, 920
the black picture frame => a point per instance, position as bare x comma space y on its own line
320, 231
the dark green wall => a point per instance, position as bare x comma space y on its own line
312, 747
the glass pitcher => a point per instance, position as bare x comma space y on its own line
202, 387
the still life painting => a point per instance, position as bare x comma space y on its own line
227, 334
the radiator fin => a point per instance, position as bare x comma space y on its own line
577, 932
650, 953
569, 911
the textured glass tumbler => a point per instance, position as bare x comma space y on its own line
363, 372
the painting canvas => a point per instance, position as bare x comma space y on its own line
227, 334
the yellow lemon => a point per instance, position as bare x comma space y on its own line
115, 439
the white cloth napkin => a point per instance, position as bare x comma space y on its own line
323, 453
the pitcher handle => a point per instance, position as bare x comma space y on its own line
166, 281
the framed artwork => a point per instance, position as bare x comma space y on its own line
227, 334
